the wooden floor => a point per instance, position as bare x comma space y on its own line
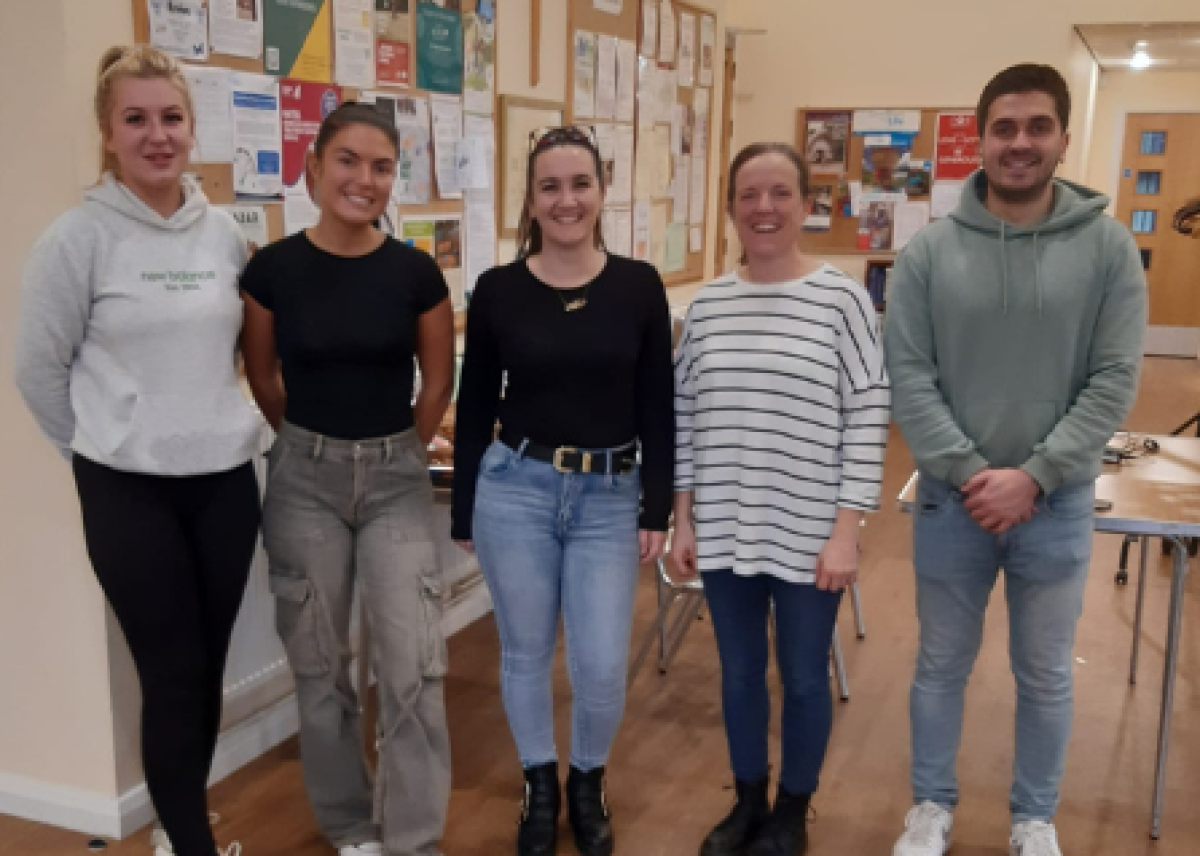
669, 776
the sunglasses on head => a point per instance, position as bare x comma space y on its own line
580, 135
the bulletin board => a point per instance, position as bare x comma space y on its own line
217, 178
842, 236
583, 15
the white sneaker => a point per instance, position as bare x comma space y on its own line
367, 848
1033, 838
926, 831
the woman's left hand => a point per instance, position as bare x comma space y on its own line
650, 545
837, 566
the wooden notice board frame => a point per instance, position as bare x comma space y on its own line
842, 237
217, 178
583, 15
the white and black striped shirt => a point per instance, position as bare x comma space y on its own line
781, 409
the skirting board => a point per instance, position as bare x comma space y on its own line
117, 817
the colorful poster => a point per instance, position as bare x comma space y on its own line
439, 49
479, 62
414, 162
440, 235
393, 43
236, 27
956, 152
296, 39
875, 226
180, 28
826, 141
886, 162
354, 43
821, 216
257, 138
304, 105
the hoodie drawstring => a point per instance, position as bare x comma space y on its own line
1003, 271
1037, 273
1037, 269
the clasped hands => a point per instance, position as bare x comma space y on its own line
999, 499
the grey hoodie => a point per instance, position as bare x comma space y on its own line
1016, 347
128, 333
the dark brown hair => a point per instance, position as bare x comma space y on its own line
1022, 78
754, 150
353, 113
529, 230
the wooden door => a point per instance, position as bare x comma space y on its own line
1160, 171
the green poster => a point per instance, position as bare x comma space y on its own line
296, 39
439, 49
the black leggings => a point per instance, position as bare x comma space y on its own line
173, 554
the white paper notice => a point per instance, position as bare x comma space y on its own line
708, 49
606, 77
616, 225
686, 65
944, 198
257, 135
612, 7
649, 31
911, 217
479, 134
677, 119
414, 166
479, 225
695, 239
626, 80
699, 180
855, 197
473, 161
235, 27
680, 185
252, 220
621, 192
584, 101
209, 86
353, 43
666, 32
446, 112
180, 28
299, 213
647, 91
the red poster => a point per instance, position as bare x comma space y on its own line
303, 105
392, 64
956, 154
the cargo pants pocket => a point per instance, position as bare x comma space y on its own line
298, 619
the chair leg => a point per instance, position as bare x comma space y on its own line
839, 666
657, 630
683, 623
860, 626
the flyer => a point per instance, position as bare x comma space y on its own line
479, 62
439, 49
440, 235
708, 47
649, 46
584, 102
303, 105
393, 43
180, 28
626, 80
826, 141
296, 41
257, 138
210, 102
885, 162
606, 77
820, 218
956, 151
686, 64
414, 161
641, 231
447, 115
235, 27
616, 225
354, 43
666, 33
612, 7
252, 220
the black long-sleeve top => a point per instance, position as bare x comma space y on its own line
594, 377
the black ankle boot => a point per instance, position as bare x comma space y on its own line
537, 830
784, 833
587, 809
732, 835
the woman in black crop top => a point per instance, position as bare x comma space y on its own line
561, 508
344, 310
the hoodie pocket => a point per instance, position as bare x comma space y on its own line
202, 427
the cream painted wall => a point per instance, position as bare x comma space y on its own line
55, 707
1123, 92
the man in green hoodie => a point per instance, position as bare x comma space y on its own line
1013, 343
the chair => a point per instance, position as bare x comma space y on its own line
685, 598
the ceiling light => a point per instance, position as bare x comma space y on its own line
1140, 58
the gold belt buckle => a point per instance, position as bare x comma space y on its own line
570, 450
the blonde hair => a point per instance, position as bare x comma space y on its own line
141, 62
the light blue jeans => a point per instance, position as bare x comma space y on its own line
550, 542
1045, 564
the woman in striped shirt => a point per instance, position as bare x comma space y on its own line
782, 414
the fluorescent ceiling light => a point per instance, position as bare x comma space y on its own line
1140, 58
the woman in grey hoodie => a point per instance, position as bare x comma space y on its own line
126, 358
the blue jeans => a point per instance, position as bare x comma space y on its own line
550, 542
1045, 565
804, 617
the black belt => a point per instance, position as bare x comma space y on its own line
568, 459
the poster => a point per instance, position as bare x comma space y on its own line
584, 53
303, 105
180, 28
447, 117
887, 122
695, 239
214, 123
296, 40
440, 235
875, 226
919, 179
708, 48
956, 151
944, 198
626, 80
252, 220
660, 216
612, 7
686, 64
413, 184
666, 32
479, 61
353, 43
910, 218
675, 252
699, 180
479, 238
606, 77
826, 141
393, 43
821, 217
439, 49
299, 213
641, 231
235, 27
886, 161
681, 183
616, 226
621, 191
649, 46
257, 138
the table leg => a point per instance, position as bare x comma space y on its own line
1179, 572
1137, 619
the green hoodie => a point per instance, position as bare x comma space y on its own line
1016, 347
